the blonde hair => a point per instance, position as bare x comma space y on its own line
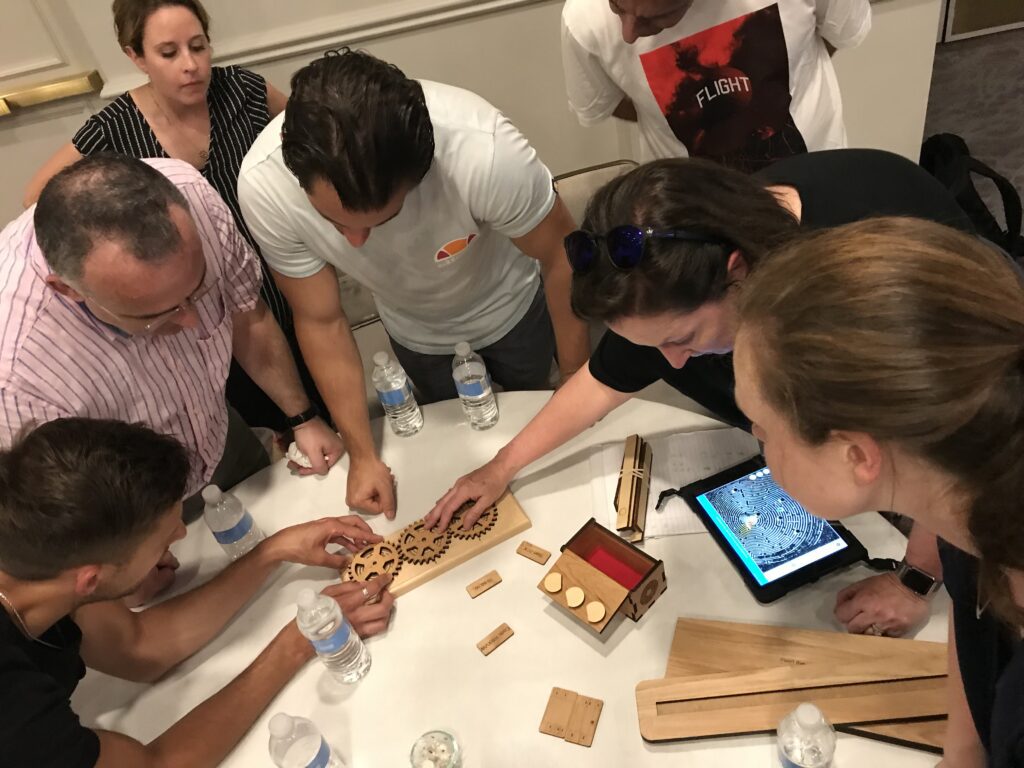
911, 332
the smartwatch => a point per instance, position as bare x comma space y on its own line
307, 415
916, 580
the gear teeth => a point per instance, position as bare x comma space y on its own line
420, 546
483, 524
376, 560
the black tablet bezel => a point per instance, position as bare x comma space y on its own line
854, 551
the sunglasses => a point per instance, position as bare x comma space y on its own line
624, 245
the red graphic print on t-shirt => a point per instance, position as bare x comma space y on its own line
725, 91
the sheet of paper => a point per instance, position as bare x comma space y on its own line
677, 460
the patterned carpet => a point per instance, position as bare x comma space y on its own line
978, 92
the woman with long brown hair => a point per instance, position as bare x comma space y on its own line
882, 366
206, 116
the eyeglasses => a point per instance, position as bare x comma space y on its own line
151, 325
624, 245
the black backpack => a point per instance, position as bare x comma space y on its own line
946, 157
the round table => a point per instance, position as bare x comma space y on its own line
427, 672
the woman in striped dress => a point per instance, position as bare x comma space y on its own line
189, 110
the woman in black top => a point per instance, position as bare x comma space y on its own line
882, 364
672, 315
189, 110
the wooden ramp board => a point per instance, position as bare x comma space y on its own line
755, 702
739, 647
717, 657
415, 555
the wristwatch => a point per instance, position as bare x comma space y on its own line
916, 580
307, 415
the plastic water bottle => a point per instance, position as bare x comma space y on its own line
806, 739
296, 743
230, 522
474, 387
337, 644
396, 396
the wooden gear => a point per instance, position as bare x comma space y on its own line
415, 555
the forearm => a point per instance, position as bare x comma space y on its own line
572, 337
206, 735
259, 346
961, 748
580, 403
333, 358
923, 551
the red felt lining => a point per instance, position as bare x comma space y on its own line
614, 568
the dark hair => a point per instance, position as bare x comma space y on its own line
130, 17
913, 333
84, 491
106, 197
359, 123
676, 275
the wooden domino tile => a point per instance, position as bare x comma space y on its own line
496, 638
533, 552
484, 583
559, 709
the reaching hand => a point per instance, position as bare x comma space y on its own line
483, 486
883, 603
320, 444
306, 543
371, 488
367, 605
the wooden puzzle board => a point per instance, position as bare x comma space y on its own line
789, 659
415, 555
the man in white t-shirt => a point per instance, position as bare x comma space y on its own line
741, 82
432, 199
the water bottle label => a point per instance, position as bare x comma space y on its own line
235, 532
395, 396
328, 645
322, 758
473, 388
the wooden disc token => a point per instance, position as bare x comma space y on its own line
553, 582
595, 611
574, 597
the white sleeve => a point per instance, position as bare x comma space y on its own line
266, 217
843, 23
516, 192
593, 96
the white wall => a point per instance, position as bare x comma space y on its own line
506, 50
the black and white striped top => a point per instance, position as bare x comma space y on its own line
237, 99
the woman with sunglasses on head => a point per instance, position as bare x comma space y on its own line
882, 364
189, 110
662, 250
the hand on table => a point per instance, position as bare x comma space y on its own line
882, 602
371, 487
366, 604
320, 444
306, 543
483, 486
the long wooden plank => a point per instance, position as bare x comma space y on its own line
740, 646
415, 556
761, 712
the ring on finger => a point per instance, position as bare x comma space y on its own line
366, 594
875, 630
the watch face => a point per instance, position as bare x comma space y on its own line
916, 580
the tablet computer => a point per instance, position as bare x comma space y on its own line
774, 543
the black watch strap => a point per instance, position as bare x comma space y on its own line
307, 415
916, 580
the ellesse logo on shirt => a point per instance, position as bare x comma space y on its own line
448, 252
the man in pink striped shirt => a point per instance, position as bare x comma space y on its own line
124, 294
